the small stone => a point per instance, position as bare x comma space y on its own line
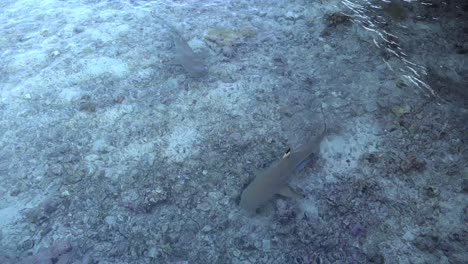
44, 32
465, 214
153, 252
204, 207
371, 157
377, 259
155, 196
101, 146
412, 163
91, 157
228, 51
401, 110
78, 30
110, 220
465, 184
206, 229
118, 99
56, 169
60, 248
87, 107
401, 83
431, 191
55, 53
408, 236
327, 48
28, 244
266, 245
336, 19
34, 215
290, 15
51, 205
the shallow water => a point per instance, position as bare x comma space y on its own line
111, 152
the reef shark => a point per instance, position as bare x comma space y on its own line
193, 63
274, 180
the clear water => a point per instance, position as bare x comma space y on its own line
113, 151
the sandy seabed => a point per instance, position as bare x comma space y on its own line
111, 153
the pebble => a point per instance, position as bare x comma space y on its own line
266, 245
111, 220
153, 252
290, 15
206, 229
27, 244
55, 53
204, 207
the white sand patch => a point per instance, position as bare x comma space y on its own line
229, 97
94, 67
9, 215
100, 65
27, 59
107, 32
180, 143
11, 208
69, 94
341, 152
112, 115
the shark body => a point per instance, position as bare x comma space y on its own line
193, 63
274, 180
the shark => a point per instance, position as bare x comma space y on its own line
274, 179
193, 63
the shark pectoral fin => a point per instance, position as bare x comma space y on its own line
286, 191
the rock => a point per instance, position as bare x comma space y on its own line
55, 53
110, 220
229, 36
154, 252
396, 11
412, 163
266, 245
51, 205
357, 230
465, 184
376, 258
204, 207
101, 146
56, 169
426, 243
291, 15
228, 51
60, 248
431, 191
465, 214
156, 196
27, 244
335, 19
206, 229
284, 211
66, 258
